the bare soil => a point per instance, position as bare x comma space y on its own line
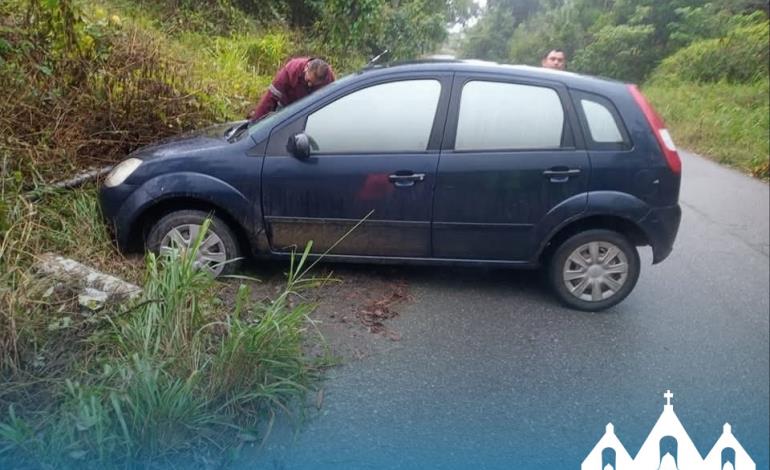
353, 308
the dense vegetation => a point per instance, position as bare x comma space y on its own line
727, 122
617, 38
704, 64
97, 80
715, 97
175, 379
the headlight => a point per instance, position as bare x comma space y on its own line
121, 171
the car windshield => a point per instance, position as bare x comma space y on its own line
271, 119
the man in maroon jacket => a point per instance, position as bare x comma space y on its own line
297, 79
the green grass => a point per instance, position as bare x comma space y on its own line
233, 70
726, 122
181, 375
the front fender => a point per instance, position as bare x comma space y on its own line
185, 185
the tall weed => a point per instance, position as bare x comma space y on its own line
178, 376
36, 322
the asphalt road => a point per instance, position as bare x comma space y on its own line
492, 373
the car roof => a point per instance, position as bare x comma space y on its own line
570, 79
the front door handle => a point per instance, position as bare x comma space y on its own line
561, 176
406, 180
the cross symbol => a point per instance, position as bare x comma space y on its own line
668, 396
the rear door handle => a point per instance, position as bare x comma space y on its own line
561, 176
406, 180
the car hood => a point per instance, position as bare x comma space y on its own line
194, 143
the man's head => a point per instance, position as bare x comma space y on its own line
316, 72
554, 59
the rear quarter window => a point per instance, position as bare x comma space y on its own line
604, 129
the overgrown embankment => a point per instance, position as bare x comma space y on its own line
726, 122
182, 377
714, 95
85, 86
185, 376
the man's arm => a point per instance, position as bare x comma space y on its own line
274, 95
266, 105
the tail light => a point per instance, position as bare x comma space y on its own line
659, 129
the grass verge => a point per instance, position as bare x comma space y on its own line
726, 122
180, 379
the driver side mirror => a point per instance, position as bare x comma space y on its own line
299, 146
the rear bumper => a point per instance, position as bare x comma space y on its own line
661, 225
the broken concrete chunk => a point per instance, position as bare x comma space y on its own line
92, 299
72, 272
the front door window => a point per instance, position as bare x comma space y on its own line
390, 117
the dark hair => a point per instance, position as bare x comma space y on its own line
319, 67
545, 56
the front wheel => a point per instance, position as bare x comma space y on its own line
594, 270
218, 252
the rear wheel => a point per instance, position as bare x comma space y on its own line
594, 270
218, 251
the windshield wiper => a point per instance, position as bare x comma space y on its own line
234, 132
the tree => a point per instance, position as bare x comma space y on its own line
620, 38
406, 28
625, 52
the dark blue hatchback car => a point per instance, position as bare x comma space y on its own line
445, 162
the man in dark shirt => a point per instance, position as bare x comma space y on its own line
297, 79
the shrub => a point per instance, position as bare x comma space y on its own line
367, 27
740, 57
551, 29
87, 93
624, 52
727, 122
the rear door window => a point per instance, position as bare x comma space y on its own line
509, 116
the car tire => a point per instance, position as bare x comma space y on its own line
219, 251
594, 270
